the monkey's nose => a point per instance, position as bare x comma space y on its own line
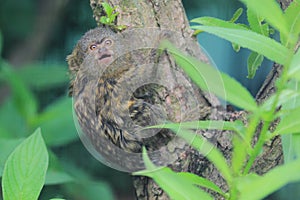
102, 50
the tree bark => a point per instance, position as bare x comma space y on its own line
170, 15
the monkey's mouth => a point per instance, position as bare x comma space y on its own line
105, 56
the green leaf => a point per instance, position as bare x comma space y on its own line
292, 17
254, 62
57, 123
108, 9
55, 173
1, 43
6, 147
89, 190
43, 76
54, 177
211, 21
177, 187
237, 125
268, 183
57, 199
255, 23
294, 69
22, 97
270, 11
9, 114
236, 15
197, 180
207, 149
213, 81
289, 123
103, 20
236, 47
25, 169
251, 40
290, 147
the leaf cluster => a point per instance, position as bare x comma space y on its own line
242, 183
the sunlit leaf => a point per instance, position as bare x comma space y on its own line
294, 69
237, 125
251, 40
107, 8
289, 123
236, 15
290, 147
197, 180
213, 81
256, 24
254, 62
270, 11
285, 97
211, 21
292, 17
269, 182
176, 186
207, 149
25, 169
6, 147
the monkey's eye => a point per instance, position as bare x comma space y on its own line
108, 42
93, 47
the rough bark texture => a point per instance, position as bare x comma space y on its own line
169, 14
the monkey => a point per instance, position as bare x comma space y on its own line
111, 116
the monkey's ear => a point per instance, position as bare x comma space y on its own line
74, 61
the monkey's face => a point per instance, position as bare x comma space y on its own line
103, 50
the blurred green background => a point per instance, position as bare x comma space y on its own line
36, 37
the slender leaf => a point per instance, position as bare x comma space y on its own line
251, 40
254, 62
294, 69
236, 15
255, 23
238, 154
176, 186
292, 17
290, 147
22, 96
25, 169
270, 11
107, 8
211, 21
208, 150
213, 81
289, 123
237, 125
287, 97
269, 183
197, 180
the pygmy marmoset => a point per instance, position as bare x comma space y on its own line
114, 99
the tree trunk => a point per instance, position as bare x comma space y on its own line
170, 15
